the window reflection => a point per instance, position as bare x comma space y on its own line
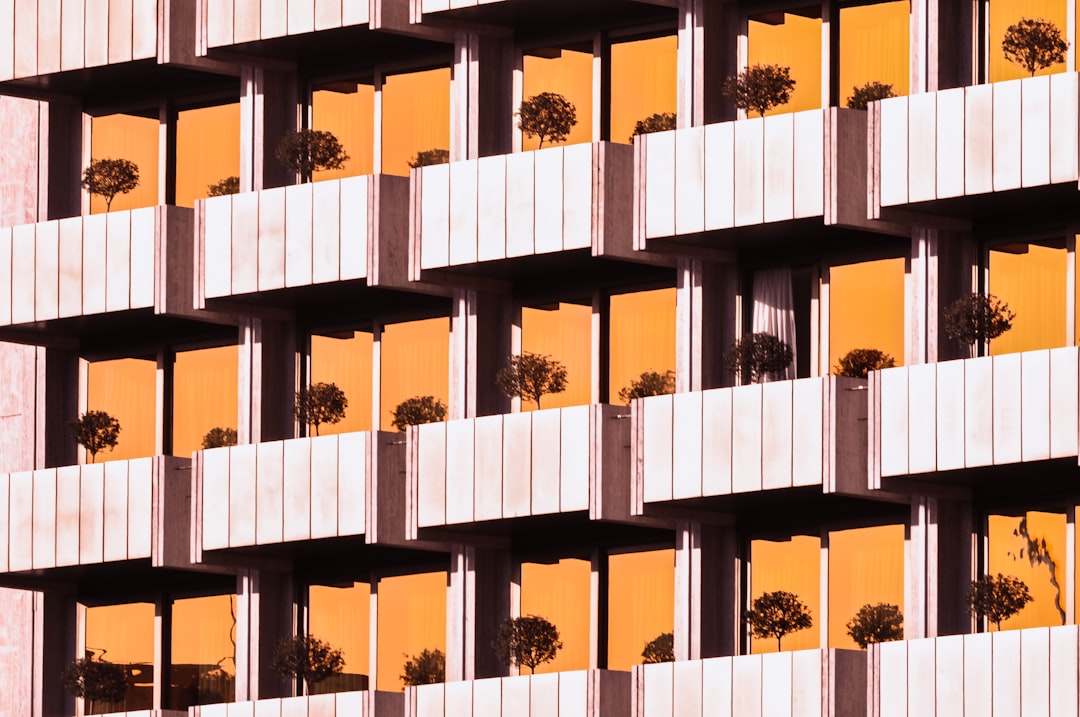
642, 337
643, 82
339, 614
866, 565
204, 395
866, 309
567, 72
1031, 279
560, 592
411, 619
203, 651
131, 137
1016, 547
123, 635
874, 46
348, 110
344, 358
564, 332
207, 150
415, 362
126, 389
415, 117
790, 39
793, 565
641, 603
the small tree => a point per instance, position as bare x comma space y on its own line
427, 668
109, 177
876, 623
527, 641
530, 376
95, 681
857, 363
861, 97
219, 437
997, 597
548, 115
320, 403
1034, 44
307, 658
777, 614
229, 185
659, 122
759, 355
649, 383
760, 88
95, 431
429, 157
416, 410
660, 649
307, 150
974, 318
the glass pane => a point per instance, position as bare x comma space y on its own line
642, 337
794, 566
203, 651
132, 138
124, 635
1031, 280
345, 359
792, 41
866, 309
564, 332
641, 603
204, 395
415, 362
1004, 13
560, 592
207, 150
348, 110
874, 47
416, 117
412, 618
643, 75
570, 75
1043, 570
866, 565
339, 615
126, 389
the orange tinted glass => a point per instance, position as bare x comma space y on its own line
415, 117
132, 138
207, 150
348, 111
570, 75
563, 332
560, 592
412, 618
643, 82
793, 566
345, 359
790, 41
126, 389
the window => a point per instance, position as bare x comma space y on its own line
790, 39
866, 565
344, 358
347, 109
203, 651
124, 635
1010, 539
560, 591
792, 565
339, 614
126, 389
412, 618
415, 117
874, 47
1004, 13
562, 331
866, 309
207, 150
1030, 278
131, 137
415, 362
568, 72
643, 82
642, 337
204, 395
641, 603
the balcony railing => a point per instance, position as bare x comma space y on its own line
232, 22
342, 704
584, 693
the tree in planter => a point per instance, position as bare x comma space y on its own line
229, 185
649, 383
109, 177
975, 318
95, 431
861, 97
777, 614
759, 355
997, 597
307, 658
548, 115
857, 363
530, 376
427, 668
95, 681
527, 641
320, 403
659, 122
305, 151
660, 649
760, 88
219, 437
1034, 44
416, 410
429, 157
876, 623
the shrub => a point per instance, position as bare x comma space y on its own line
857, 363
997, 597
976, 318
659, 122
320, 403
427, 668
530, 376
306, 657
876, 623
548, 115
861, 97
527, 641
95, 681
416, 410
307, 150
759, 355
94, 431
660, 649
1034, 44
229, 185
760, 88
649, 383
429, 157
218, 437
777, 614
109, 177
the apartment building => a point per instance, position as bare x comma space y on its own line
832, 228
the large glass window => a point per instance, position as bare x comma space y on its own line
339, 614
415, 117
560, 592
344, 358
866, 309
204, 395
1031, 546
123, 635
563, 332
641, 603
1030, 278
792, 565
642, 337
1004, 13
348, 110
866, 565
131, 137
207, 150
874, 42
643, 82
567, 71
203, 651
415, 362
126, 389
790, 39
412, 618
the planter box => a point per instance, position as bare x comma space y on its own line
585, 693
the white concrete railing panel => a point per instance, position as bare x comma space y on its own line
584, 693
977, 140
975, 412
342, 704
232, 22
147, 713
426, 6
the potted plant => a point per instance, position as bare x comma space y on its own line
778, 613
427, 668
95, 681
759, 356
858, 363
306, 151
109, 177
1034, 44
659, 122
527, 641
649, 383
95, 431
416, 410
548, 115
219, 437
872, 91
307, 658
997, 597
320, 403
760, 88
531, 376
977, 318
659, 649
876, 623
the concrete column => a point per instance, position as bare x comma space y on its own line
17, 653
269, 105
481, 115
944, 42
706, 310
265, 609
938, 567
267, 380
707, 591
18, 408
21, 180
479, 344
62, 182
941, 268
477, 603
708, 53
54, 623
58, 400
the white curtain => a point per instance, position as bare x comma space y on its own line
774, 309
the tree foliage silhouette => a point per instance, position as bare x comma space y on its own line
416, 410
306, 151
320, 403
527, 641
778, 613
760, 88
548, 115
998, 597
1034, 44
876, 623
531, 376
109, 177
95, 431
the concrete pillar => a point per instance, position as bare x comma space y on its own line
58, 389
21, 145
706, 311
268, 107
479, 344
707, 591
477, 603
18, 408
54, 623
938, 567
62, 182
17, 652
708, 53
941, 268
265, 612
944, 42
481, 119
267, 380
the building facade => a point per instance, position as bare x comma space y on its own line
218, 288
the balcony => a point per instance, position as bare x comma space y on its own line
97, 513
148, 713
342, 704
584, 693
234, 22
972, 413
829, 683
558, 460
300, 489
725, 441
1013, 672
